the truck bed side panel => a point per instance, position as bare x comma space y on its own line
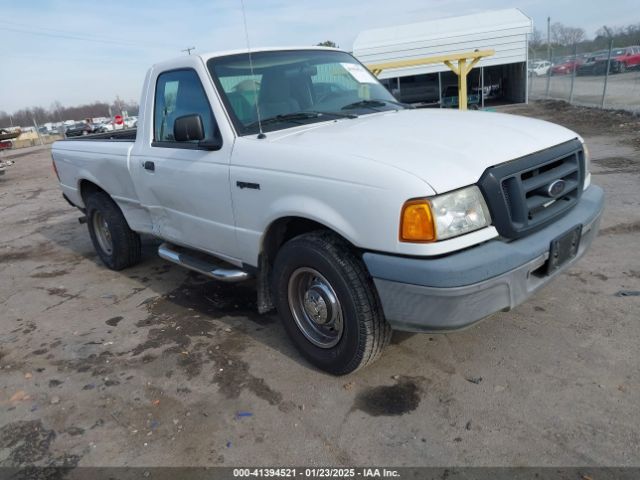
106, 164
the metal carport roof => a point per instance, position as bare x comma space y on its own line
505, 31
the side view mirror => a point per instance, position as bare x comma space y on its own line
189, 128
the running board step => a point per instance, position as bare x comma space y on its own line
201, 263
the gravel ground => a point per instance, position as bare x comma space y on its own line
156, 366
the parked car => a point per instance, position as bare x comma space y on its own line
490, 90
623, 59
9, 133
131, 122
104, 127
78, 129
450, 98
539, 68
565, 66
6, 143
354, 214
595, 64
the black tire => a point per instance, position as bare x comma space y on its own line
126, 249
365, 332
622, 67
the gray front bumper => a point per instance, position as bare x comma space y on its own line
455, 291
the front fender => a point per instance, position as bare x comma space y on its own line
311, 209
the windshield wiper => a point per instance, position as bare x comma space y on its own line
372, 104
338, 114
296, 116
286, 117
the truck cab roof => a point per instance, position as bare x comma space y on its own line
204, 57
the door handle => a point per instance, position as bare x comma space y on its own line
149, 165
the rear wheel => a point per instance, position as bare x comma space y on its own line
116, 244
328, 303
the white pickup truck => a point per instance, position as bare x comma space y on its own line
355, 214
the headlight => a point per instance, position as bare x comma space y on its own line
444, 216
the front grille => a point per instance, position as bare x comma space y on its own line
517, 191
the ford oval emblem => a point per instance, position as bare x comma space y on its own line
556, 188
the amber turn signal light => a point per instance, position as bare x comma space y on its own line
416, 222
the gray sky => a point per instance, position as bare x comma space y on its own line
80, 52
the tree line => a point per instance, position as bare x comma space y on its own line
564, 37
59, 113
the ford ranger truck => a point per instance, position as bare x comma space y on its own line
354, 214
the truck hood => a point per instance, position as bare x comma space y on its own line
448, 149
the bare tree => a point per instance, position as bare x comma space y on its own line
536, 39
573, 35
556, 33
564, 35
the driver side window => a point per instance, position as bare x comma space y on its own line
180, 93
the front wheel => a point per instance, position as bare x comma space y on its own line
622, 67
328, 303
116, 244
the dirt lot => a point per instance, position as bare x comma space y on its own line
157, 366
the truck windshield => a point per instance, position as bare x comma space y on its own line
295, 87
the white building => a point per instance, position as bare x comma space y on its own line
502, 77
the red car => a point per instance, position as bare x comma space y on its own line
565, 66
625, 58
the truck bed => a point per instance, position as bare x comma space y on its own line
101, 159
126, 135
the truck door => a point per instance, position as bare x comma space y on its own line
184, 186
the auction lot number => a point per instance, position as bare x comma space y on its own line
346, 473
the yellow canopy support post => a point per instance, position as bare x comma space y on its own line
464, 62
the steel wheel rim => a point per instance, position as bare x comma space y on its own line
315, 307
103, 234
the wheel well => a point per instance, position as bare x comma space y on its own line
283, 230
278, 233
87, 188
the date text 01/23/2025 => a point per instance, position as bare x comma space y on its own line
344, 473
